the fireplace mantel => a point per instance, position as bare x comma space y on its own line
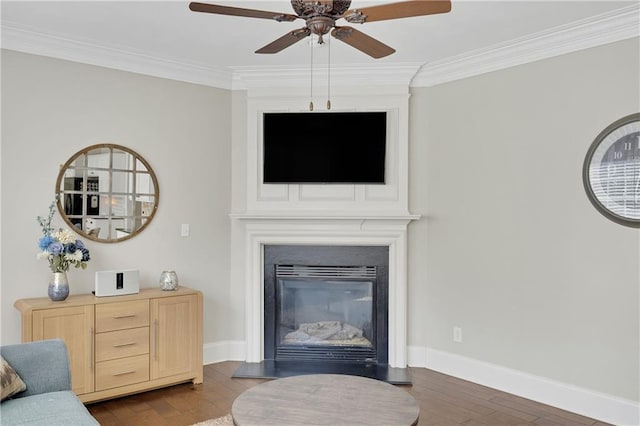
268, 229
322, 216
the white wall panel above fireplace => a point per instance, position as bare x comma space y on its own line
390, 198
310, 193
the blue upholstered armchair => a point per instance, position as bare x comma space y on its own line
48, 399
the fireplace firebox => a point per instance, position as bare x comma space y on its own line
326, 303
325, 311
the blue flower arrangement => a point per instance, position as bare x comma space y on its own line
60, 247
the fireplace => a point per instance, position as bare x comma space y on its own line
325, 310
326, 303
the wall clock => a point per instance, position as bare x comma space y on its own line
611, 171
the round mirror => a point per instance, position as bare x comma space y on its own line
107, 193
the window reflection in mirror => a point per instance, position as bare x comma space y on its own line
107, 193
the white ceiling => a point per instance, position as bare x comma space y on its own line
168, 32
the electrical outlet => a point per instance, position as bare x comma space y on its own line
457, 334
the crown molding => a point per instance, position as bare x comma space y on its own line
617, 25
28, 40
399, 74
602, 29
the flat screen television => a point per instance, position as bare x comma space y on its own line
324, 147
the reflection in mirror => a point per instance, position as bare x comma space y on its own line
107, 193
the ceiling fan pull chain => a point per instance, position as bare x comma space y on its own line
329, 76
311, 77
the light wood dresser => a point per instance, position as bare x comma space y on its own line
122, 344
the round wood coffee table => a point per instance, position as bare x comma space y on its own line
325, 399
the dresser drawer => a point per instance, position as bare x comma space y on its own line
122, 315
121, 372
122, 343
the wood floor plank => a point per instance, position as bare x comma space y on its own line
426, 393
544, 408
556, 415
498, 418
443, 401
463, 395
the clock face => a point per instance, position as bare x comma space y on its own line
611, 171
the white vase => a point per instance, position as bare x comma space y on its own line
58, 286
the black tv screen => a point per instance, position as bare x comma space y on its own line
324, 147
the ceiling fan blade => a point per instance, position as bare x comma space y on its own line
402, 9
362, 42
238, 11
285, 41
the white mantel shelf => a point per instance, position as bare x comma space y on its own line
323, 216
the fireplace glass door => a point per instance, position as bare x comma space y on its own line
325, 313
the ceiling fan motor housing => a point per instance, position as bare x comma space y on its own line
320, 16
307, 8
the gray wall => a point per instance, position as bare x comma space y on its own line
510, 248
53, 108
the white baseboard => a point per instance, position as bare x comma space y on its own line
568, 397
227, 350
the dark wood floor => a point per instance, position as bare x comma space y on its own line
443, 401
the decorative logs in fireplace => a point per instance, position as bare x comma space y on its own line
326, 333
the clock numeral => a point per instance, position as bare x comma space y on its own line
638, 136
617, 155
627, 146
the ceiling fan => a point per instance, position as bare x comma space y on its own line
320, 17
